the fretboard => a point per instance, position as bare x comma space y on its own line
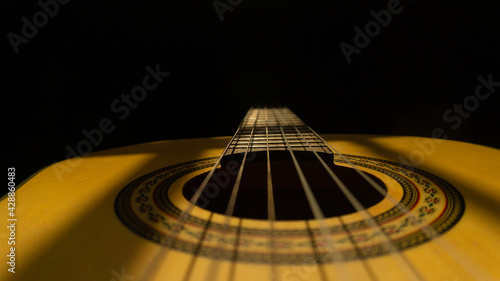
276, 129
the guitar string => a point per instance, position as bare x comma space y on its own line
331, 247
236, 187
215, 263
271, 211
232, 269
168, 241
403, 262
368, 268
192, 262
290, 122
315, 246
369, 271
471, 267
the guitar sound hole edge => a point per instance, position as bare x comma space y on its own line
290, 201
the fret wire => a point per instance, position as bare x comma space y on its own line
275, 136
286, 121
258, 141
274, 140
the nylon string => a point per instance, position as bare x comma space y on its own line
214, 267
332, 248
271, 212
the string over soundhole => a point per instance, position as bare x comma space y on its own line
289, 197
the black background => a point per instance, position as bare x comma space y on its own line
269, 52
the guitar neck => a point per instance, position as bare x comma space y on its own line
274, 129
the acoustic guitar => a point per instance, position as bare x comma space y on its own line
276, 201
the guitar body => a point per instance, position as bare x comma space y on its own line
105, 216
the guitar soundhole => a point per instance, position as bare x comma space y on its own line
289, 196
